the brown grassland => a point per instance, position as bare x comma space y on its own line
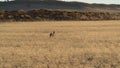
77, 44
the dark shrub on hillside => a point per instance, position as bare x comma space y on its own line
38, 15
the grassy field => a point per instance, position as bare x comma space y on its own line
77, 44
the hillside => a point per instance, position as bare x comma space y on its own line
29, 10
30, 5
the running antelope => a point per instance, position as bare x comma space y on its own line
52, 34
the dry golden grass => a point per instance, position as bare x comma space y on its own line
77, 44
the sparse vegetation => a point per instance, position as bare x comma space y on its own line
76, 44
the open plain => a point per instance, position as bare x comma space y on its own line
76, 44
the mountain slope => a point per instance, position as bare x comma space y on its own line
29, 5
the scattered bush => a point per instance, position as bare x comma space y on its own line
35, 15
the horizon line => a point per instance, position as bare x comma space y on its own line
75, 1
